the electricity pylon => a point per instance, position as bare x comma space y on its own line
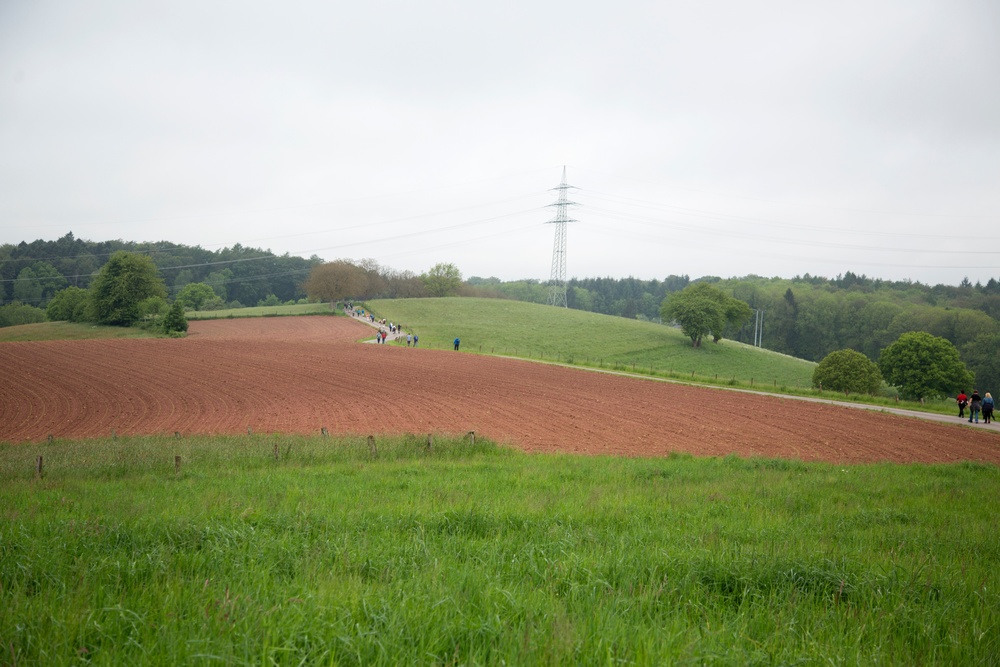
557, 281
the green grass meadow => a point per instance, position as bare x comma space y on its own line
495, 326
322, 308
270, 549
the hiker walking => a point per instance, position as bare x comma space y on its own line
975, 405
962, 401
457, 341
987, 408
409, 339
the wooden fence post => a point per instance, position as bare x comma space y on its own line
38, 467
276, 453
472, 437
430, 441
326, 434
177, 465
372, 449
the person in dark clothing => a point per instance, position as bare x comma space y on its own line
962, 401
987, 408
457, 341
975, 405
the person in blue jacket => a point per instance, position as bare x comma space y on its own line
457, 341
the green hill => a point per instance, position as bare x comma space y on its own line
496, 326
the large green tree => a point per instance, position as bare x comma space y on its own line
703, 309
847, 371
442, 280
922, 365
122, 285
336, 280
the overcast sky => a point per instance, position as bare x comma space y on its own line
703, 138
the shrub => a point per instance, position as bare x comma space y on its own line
847, 371
16, 313
175, 322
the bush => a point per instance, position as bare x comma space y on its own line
271, 300
175, 322
64, 304
847, 371
16, 313
214, 303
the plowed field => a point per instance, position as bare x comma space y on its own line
296, 375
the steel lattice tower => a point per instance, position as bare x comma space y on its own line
557, 281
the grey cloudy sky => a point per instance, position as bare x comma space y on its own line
705, 138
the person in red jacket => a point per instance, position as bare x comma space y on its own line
962, 400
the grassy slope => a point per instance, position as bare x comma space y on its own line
527, 329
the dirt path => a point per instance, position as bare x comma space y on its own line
298, 374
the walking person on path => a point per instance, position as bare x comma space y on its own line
409, 339
415, 339
975, 405
987, 408
962, 401
457, 341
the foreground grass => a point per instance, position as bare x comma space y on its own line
467, 554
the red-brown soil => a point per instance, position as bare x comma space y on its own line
296, 375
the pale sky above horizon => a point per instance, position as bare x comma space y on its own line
717, 138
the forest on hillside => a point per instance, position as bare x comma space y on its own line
31, 273
806, 316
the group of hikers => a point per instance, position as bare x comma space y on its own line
385, 328
976, 404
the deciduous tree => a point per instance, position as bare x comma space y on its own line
847, 371
335, 281
702, 309
922, 365
121, 286
194, 295
442, 280
64, 305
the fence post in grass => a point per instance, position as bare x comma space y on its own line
38, 467
472, 437
751, 382
114, 434
276, 455
177, 465
430, 441
326, 433
372, 449
177, 435
51, 438
249, 430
